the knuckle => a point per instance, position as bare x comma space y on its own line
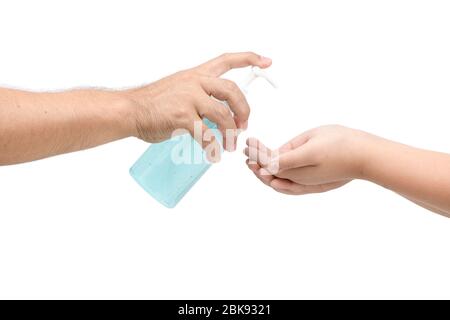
181, 113
246, 113
186, 76
191, 77
250, 54
222, 113
231, 87
224, 60
244, 108
188, 96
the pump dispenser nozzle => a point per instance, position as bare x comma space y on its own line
257, 72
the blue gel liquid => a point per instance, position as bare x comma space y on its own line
169, 169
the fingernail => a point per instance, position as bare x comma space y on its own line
213, 157
266, 60
228, 147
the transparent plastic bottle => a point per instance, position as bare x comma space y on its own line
167, 179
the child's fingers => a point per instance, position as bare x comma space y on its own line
290, 187
295, 142
258, 155
255, 168
301, 175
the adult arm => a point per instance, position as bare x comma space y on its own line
35, 125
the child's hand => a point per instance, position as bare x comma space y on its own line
318, 160
328, 157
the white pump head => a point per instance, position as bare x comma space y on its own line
257, 72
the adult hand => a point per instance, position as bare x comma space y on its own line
36, 125
181, 100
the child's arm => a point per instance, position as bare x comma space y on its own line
420, 175
328, 157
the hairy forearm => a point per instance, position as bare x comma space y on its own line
421, 176
38, 125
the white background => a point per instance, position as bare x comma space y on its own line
78, 226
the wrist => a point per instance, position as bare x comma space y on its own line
139, 105
126, 112
364, 146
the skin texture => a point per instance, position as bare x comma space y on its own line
329, 157
38, 125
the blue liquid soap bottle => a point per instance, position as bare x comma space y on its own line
169, 169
